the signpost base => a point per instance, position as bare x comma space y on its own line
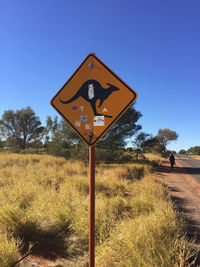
92, 207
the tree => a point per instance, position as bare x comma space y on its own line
159, 142
151, 144
1, 144
54, 128
21, 128
115, 138
182, 151
50, 129
123, 129
164, 137
140, 140
195, 150
139, 143
60, 139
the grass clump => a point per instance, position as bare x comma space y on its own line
151, 235
19, 223
9, 252
109, 211
145, 241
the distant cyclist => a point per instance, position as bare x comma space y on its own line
172, 160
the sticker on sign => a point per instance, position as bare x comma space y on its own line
99, 121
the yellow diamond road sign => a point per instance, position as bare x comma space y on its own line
93, 99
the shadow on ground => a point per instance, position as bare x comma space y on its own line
51, 249
47, 245
193, 227
185, 170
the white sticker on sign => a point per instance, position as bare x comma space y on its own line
78, 123
88, 126
99, 121
91, 91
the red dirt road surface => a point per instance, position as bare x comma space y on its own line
185, 193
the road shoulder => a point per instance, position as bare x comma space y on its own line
185, 193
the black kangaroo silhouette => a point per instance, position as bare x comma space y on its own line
91, 91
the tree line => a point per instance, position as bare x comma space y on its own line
22, 131
195, 150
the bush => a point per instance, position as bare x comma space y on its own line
182, 151
112, 156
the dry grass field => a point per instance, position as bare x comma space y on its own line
44, 204
196, 157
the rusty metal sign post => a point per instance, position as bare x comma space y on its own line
92, 101
92, 207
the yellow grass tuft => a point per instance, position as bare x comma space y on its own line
9, 252
150, 235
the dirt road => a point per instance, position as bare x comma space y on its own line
185, 192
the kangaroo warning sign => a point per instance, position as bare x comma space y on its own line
93, 99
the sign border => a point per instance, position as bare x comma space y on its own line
116, 118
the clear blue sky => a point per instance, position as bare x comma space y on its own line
153, 45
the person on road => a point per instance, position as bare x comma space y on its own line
172, 160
